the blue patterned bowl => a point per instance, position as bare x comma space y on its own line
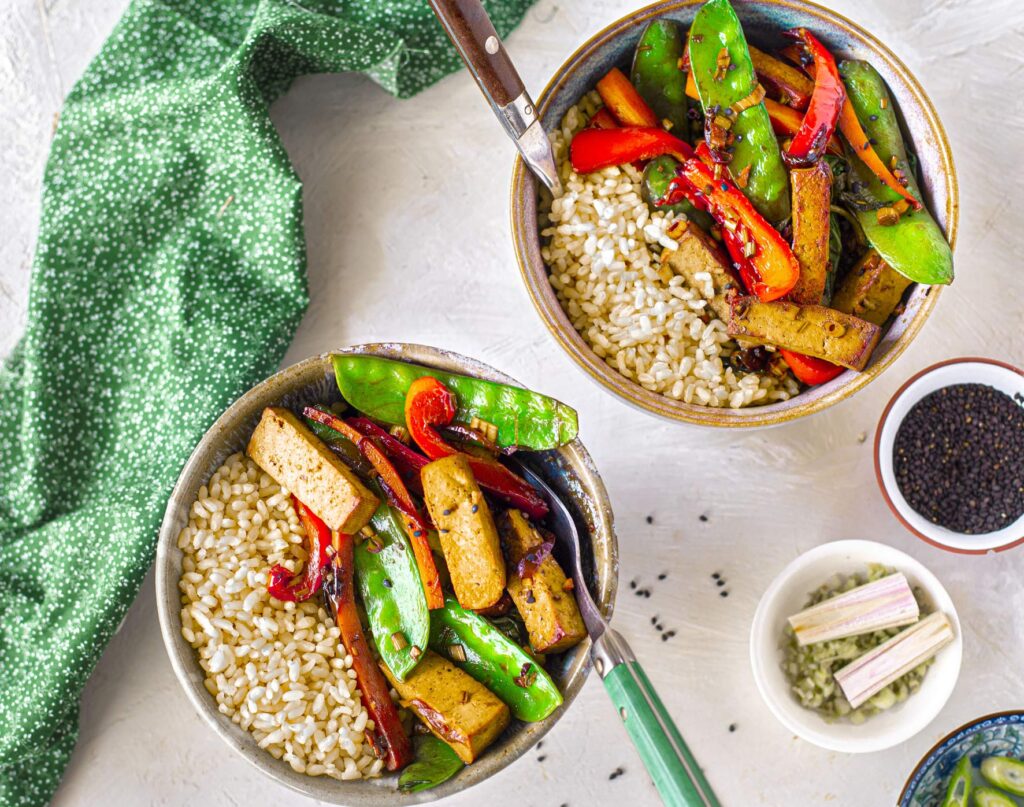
1000, 734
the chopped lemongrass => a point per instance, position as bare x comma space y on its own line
876, 669
885, 603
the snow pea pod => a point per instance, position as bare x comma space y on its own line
392, 594
720, 84
914, 246
436, 762
494, 660
657, 77
377, 387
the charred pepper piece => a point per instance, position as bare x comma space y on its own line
289, 587
826, 103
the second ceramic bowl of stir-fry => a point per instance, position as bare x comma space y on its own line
757, 215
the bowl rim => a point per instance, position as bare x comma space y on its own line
759, 625
183, 660
927, 756
583, 356
882, 422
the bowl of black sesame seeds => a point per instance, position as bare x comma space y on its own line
949, 455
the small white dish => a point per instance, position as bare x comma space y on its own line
787, 595
1003, 377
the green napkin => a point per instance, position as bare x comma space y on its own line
169, 278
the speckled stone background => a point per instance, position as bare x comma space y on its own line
398, 191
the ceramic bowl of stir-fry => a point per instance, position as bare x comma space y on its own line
355, 584
757, 211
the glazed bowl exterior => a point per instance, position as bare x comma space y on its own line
1000, 734
787, 595
763, 21
1004, 377
569, 470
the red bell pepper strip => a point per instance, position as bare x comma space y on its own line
594, 149
809, 369
398, 495
623, 101
602, 119
388, 737
289, 587
822, 113
406, 461
786, 121
430, 404
859, 141
772, 268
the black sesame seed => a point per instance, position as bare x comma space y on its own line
703, 517
541, 758
386, 582
715, 575
732, 727
872, 117
720, 581
663, 575
474, 508
446, 512
664, 637
958, 458
650, 519
723, 593
654, 620
632, 584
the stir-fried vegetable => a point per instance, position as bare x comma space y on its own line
1004, 773
435, 764
594, 149
487, 654
657, 77
823, 110
388, 735
724, 74
392, 595
914, 245
299, 587
377, 388
624, 102
958, 791
658, 175
430, 404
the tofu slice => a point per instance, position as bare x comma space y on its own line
871, 290
811, 197
283, 447
548, 609
455, 707
698, 253
466, 530
812, 329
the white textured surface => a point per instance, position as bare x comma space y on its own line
408, 240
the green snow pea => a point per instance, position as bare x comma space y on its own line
990, 797
658, 173
715, 27
494, 660
436, 762
915, 246
1005, 773
657, 77
959, 789
524, 418
392, 594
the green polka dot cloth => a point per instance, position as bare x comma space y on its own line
169, 278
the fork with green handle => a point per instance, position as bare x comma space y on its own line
675, 772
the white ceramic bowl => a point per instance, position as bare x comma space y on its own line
1005, 378
787, 595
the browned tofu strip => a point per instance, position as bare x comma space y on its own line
466, 530
871, 290
544, 600
812, 329
456, 708
283, 447
698, 253
811, 196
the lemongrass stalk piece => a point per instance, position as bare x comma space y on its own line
885, 603
867, 675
